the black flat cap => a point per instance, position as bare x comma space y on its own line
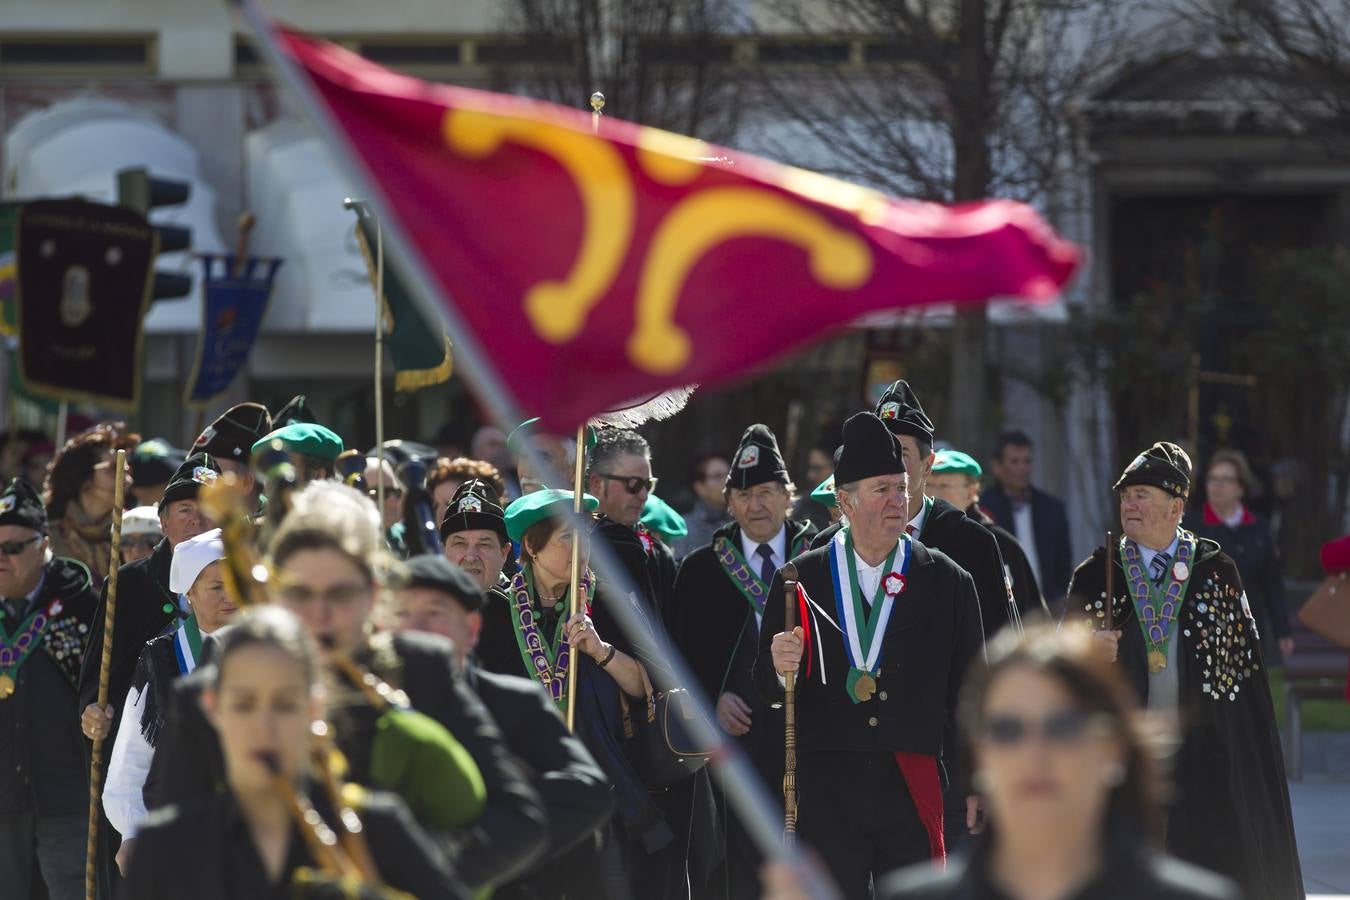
432, 570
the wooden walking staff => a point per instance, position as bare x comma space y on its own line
789, 713
1110, 587
104, 670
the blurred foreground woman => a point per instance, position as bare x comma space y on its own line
1066, 772
246, 841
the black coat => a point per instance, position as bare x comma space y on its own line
1231, 811
204, 850
506, 839
1252, 547
142, 593
1131, 872
932, 639
43, 769
1025, 588
718, 635
1051, 525
971, 547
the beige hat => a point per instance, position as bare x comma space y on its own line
141, 520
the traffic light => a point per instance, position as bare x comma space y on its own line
138, 190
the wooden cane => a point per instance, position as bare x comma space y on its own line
104, 670
1110, 587
789, 713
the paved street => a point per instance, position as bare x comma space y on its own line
1322, 823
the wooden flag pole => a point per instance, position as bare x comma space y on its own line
574, 588
789, 713
104, 671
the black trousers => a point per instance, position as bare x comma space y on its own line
49, 850
855, 810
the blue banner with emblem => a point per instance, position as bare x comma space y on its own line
234, 300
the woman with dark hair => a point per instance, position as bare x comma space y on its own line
265, 702
1247, 538
1061, 757
79, 495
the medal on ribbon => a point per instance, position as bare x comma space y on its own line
13, 654
545, 661
1155, 608
864, 627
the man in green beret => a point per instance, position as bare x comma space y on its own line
955, 478
1183, 635
313, 449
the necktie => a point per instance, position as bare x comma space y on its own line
1158, 568
766, 566
911, 530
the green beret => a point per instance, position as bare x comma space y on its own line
658, 516
824, 493
304, 437
414, 756
958, 463
531, 508
515, 440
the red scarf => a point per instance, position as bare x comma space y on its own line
1213, 518
921, 777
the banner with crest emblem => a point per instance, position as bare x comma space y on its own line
234, 301
83, 274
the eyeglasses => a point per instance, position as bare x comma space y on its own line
142, 541
14, 548
632, 485
1062, 729
389, 493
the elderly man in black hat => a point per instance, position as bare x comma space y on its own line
720, 594
46, 609
230, 439
146, 607
888, 631
1180, 627
474, 532
441, 598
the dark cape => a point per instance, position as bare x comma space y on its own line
203, 850
717, 633
1026, 589
156, 671
1231, 812
506, 839
1131, 871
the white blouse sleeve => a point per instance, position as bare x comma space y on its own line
123, 801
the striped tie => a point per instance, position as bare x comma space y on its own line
766, 566
1158, 568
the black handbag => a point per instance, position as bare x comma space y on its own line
663, 745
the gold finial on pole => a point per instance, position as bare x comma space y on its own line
597, 109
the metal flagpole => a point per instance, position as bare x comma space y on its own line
379, 363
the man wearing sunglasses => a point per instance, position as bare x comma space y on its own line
1182, 631
46, 610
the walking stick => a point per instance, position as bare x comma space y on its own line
104, 669
789, 713
1110, 573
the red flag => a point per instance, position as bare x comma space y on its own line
598, 267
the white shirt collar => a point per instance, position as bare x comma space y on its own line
917, 522
1235, 519
777, 544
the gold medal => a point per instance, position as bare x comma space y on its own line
864, 687
6, 686
1157, 661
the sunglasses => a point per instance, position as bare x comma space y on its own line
632, 485
14, 548
1061, 729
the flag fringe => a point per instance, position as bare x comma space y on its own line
641, 410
